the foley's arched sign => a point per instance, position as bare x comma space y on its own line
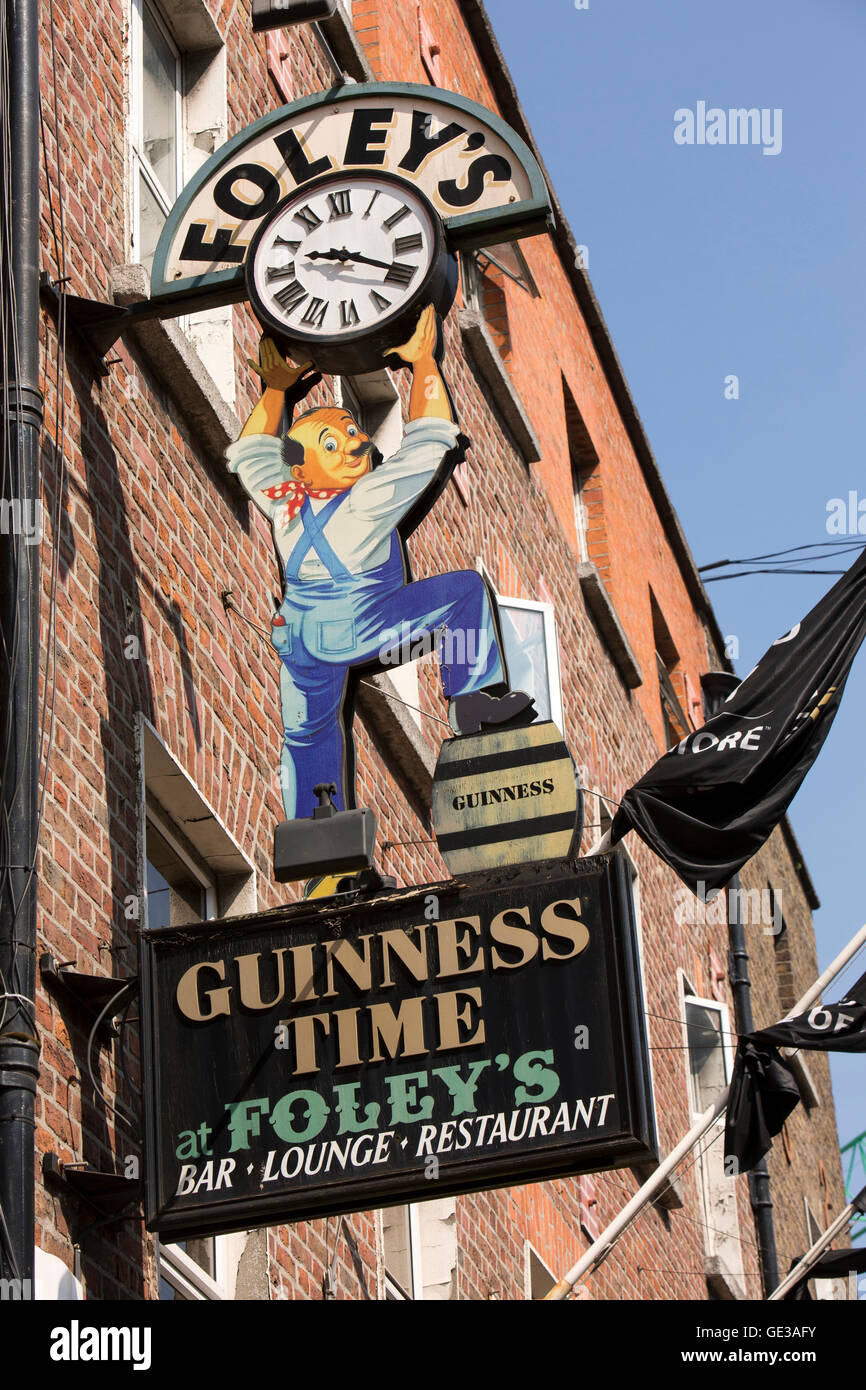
479, 176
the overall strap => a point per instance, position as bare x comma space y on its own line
313, 539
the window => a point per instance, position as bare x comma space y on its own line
401, 1236
156, 127
675, 723
585, 480
177, 117
485, 274
532, 653
193, 871
707, 1038
180, 889
708, 1044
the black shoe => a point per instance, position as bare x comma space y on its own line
469, 714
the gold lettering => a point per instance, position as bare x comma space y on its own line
302, 967
451, 947
357, 967
555, 923
347, 1037
450, 1019
406, 1027
413, 957
526, 942
249, 979
305, 1040
187, 994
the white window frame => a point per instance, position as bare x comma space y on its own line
204, 876
140, 163
551, 648
174, 1265
392, 1288
718, 1006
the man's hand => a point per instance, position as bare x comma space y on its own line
422, 344
277, 372
428, 398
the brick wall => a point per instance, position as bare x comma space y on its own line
150, 531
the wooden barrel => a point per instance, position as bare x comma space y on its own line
504, 796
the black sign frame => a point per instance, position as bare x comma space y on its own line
177, 1076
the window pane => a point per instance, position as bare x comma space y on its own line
526, 655
159, 105
174, 894
706, 1055
151, 220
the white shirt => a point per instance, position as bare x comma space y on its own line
360, 530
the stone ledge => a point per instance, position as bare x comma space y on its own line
607, 621
340, 33
175, 361
722, 1281
482, 348
393, 724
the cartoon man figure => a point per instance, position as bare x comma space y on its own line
335, 516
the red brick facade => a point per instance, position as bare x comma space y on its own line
151, 532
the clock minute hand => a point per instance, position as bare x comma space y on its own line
344, 255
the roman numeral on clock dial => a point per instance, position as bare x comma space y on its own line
280, 272
308, 218
340, 204
400, 273
402, 244
391, 222
348, 313
294, 246
315, 312
290, 296
380, 301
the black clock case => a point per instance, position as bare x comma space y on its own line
352, 354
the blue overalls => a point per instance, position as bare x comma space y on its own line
334, 624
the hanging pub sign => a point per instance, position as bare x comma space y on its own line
453, 159
331, 1057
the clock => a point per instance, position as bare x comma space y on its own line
341, 269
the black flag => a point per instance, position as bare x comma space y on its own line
826, 1027
710, 803
763, 1089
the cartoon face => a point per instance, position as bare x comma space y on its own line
337, 452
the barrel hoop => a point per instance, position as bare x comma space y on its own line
497, 762
496, 834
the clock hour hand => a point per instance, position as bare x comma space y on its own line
344, 255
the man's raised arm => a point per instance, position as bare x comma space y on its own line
428, 398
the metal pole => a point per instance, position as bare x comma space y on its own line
19, 636
717, 686
602, 1247
818, 1247
759, 1177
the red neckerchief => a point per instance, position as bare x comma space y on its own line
293, 494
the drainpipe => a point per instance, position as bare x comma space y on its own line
19, 637
717, 686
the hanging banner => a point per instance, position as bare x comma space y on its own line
474, 171
325, 1058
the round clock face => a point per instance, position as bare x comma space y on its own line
343, 258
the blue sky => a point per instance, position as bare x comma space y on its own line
712, 260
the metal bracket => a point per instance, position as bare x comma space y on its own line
89, 992
108, 1193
